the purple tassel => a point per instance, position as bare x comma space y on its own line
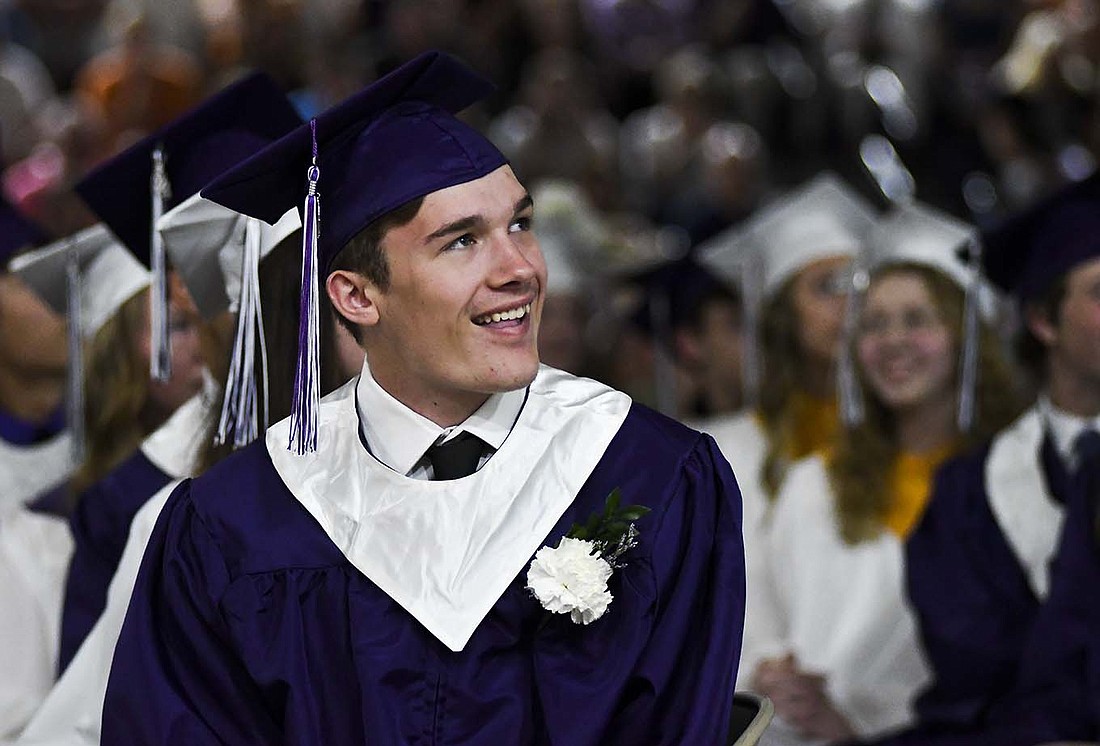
160, 361
75, 404
307, 383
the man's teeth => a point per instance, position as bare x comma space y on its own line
515, 313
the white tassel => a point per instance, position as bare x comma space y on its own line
241, 415
847, 379
75, 404
752, 284
968, 355
160, 360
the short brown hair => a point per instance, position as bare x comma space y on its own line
364, 254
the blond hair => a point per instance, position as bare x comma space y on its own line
116, 386
781, 357
859, 470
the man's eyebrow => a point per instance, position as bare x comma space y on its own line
456, 226
472, 221
525, 202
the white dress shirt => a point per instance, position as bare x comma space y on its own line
399, 437
1065, 428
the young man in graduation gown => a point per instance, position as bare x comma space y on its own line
978, 564
375, 583
35, 452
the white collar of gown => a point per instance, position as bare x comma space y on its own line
28, 471
446, 551
176, 445
1028, 515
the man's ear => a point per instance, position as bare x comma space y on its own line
1039, 323
354, 297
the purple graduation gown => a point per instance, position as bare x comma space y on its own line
1058, 695
972, 598
247, 625
101, 526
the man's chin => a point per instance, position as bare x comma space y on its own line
519, 377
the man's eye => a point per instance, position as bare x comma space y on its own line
520, 225
462, 242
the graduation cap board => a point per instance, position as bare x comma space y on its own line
217, 253
393, 142
131, 191
88, 276
1025, 254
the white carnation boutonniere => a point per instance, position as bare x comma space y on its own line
572, 577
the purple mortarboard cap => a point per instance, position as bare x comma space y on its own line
16, 232
131, 191
1028, 252
393, 142
198, 146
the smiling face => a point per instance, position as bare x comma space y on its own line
459, 317
905, 347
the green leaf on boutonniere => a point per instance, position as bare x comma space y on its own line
612, 531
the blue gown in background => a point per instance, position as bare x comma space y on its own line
100, 526
248, 625
1058, 695
972, 597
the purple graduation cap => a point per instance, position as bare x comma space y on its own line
16, 233
396, 140
1028, 252
174, 163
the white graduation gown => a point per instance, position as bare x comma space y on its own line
841, 609
34, 558
744, 444
28, 471
70, 714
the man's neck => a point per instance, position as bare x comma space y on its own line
30, 400
444, 409
1071, 393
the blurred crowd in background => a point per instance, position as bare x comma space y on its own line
643, 127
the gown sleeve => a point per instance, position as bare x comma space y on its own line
174, 678
681, 687
100, 525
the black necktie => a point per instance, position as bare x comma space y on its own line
1086, 449
457, 457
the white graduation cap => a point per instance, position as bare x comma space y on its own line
87, 276
206, 243
822, 218
919, 234
217, 253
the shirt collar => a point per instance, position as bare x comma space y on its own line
1065, 428
398, 437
